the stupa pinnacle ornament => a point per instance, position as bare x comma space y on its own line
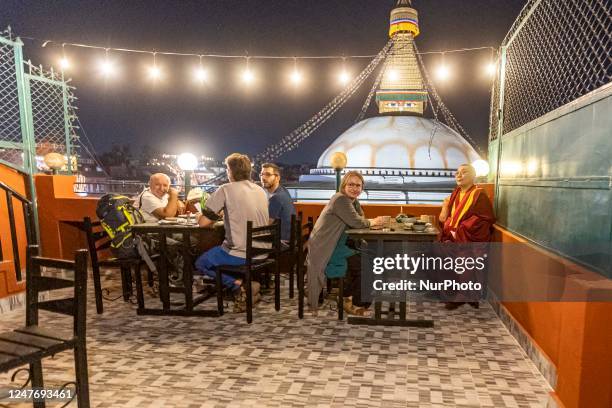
401, 88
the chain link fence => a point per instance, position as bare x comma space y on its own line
52, 123
555, 52
11, 147
36, 111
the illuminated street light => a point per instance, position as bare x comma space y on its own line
188, 163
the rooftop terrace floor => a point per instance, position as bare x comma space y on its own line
468, 359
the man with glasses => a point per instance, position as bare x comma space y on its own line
280, 205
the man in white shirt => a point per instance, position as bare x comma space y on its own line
241, 200
160, 200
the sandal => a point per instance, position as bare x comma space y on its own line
351, 309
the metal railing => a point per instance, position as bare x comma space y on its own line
28, 218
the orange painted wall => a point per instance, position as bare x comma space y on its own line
576, 336
58, 205
8, 282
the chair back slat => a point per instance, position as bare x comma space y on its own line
36, 283
268, 234
52, 262
61, 306
43, 283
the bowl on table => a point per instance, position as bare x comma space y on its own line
419, 226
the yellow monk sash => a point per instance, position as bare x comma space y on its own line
465, 204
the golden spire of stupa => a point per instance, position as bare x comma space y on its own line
401, 88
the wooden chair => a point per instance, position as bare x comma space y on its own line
32, 343
269, 234
97, 241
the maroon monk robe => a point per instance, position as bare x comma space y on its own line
471, 219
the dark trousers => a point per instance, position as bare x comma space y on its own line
352, 281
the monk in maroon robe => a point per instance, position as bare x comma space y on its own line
467, 215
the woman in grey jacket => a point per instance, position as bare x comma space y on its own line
342, 212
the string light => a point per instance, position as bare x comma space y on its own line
64, 62
200, 73
247, 75
107, 68
442, 72
154, 71
296, 75
344, 77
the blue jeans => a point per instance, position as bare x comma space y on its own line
209, 260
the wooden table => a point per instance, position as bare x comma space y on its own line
207, 238
396, 233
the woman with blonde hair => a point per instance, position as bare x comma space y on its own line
329, 240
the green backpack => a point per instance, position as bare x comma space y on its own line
117, 215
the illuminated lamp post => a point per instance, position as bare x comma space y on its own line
54, 161
188, 163
338, 163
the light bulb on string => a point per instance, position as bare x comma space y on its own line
442, 72
296, 75
200, 73
64, 62
155, 72
247, 75
344, 77
106, 67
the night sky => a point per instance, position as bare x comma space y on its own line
222, 116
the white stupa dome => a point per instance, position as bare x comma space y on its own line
401, 142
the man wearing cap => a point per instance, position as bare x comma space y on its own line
280, 204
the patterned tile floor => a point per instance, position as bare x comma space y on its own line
467, 360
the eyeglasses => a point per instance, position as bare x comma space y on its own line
267, 174
353, 185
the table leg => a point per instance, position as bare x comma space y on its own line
164, 294
187, 272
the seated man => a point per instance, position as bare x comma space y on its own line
280, 205
241, 200
159, 201
467, 215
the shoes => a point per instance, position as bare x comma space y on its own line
240, 297
351, 309
453, 305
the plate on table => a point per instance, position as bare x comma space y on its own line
376, 228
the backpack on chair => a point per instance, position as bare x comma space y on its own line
117, 215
